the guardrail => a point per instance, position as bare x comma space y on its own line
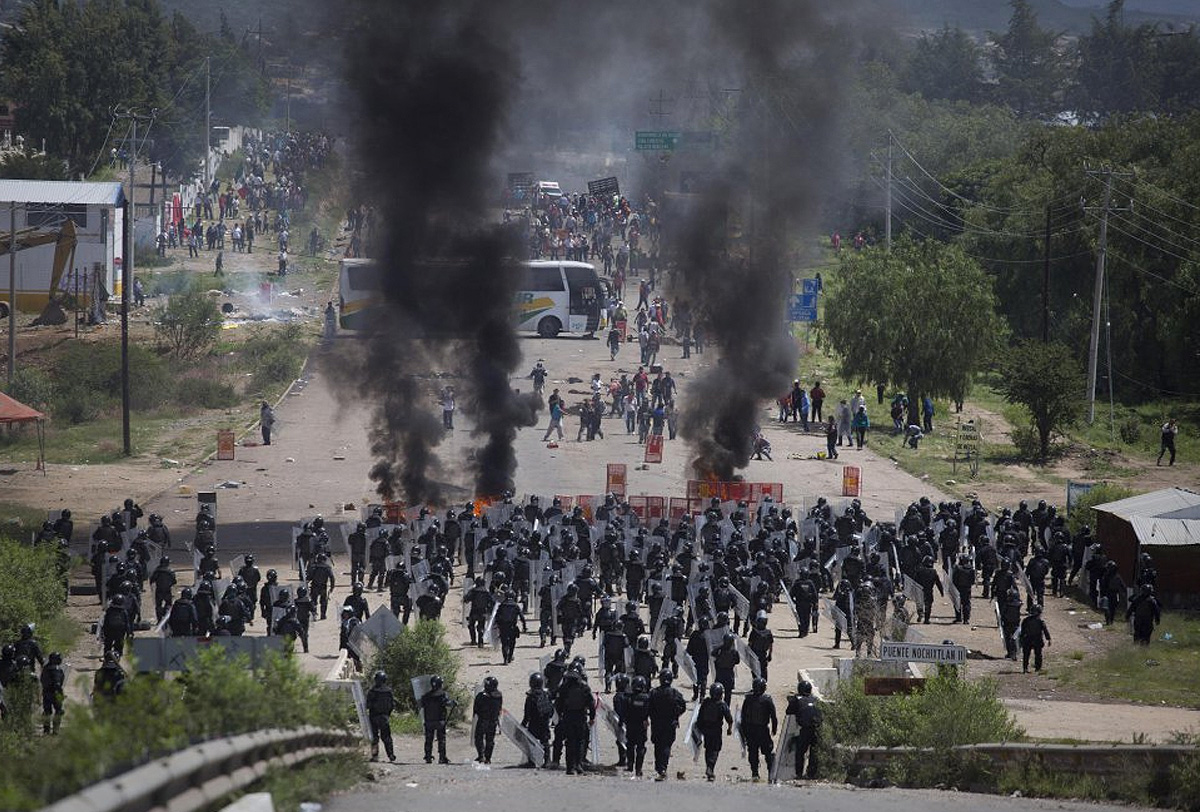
199, 776
1089, 759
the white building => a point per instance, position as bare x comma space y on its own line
95, 209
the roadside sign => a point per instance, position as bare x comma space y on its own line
944, 653
659, 140
225, 444
802, 307
1075, 491
966, 447
604, 186
851, 480
810, 287
615, 479
654, 448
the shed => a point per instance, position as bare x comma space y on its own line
1163, 523
95, 210
13, 412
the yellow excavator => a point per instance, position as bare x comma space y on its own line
64, 256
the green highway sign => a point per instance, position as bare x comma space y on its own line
656, 140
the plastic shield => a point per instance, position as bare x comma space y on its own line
740, 602
490, 632
692, 736
360, 705
667, 610
420, 686
749, 658
611, 720
686, 664
737, 729
524, 741
835, 615
787, 732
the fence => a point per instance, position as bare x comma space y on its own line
198, 777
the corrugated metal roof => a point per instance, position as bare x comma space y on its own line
1155, 503
61, 191
1192, 512
1156, 532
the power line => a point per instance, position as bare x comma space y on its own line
1139, 269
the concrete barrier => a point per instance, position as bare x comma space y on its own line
1084, 759
254, 802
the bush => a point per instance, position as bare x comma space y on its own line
946, 712
1130, 430
188, 325
217, 696
169, 284
91, 381
1025, 439
204, 393
417, 650
1185, 784
33, 387
273, 356
31, 589
1082, 512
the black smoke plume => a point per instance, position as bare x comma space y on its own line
733, 244
432, 84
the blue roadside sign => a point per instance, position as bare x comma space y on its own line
802, 307
811, 287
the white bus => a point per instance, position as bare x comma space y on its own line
358, 293
560, 296
556, 297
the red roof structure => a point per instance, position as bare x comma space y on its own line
13, 411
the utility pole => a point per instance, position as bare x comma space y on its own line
1046, 283
887, 209
1098, 294
288, 128
128, 238
12, 291
127, 280
207, 117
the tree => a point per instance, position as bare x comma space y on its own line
922, 317
946, 64
1028, 69
66, 65
1047, 380
1117, 67
188, 324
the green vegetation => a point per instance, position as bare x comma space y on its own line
1046, 380
948, 712
32, 591
188, 324
419, 649
273, 356
1163, 673
313, 780
1082, 512
61, 71
217, 696
933, 350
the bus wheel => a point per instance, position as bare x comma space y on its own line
549, 327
